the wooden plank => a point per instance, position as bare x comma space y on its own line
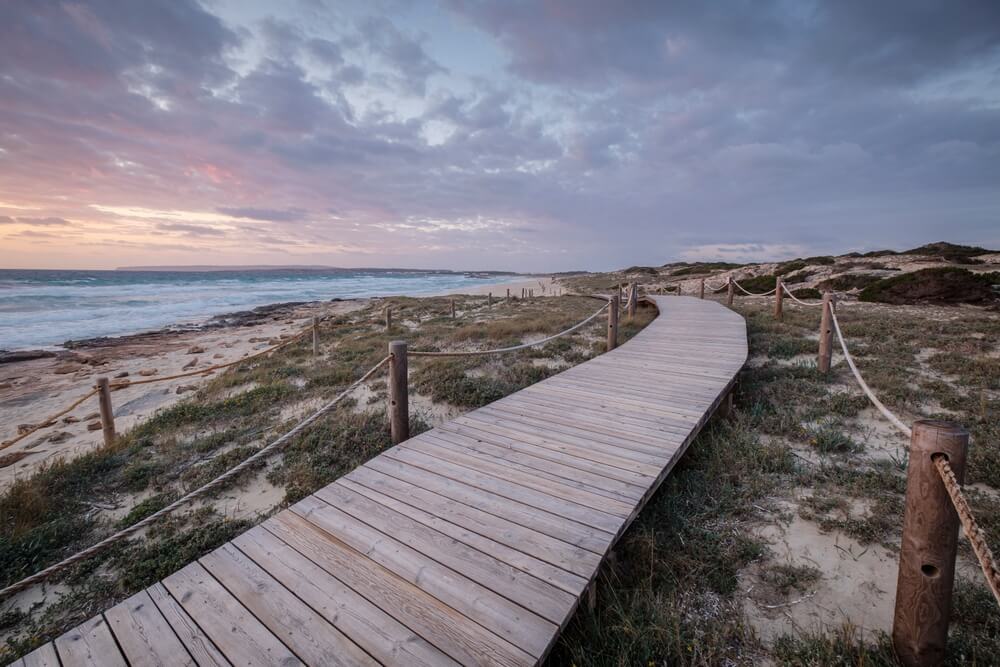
546, 469
144, 635
559, 554
564, 508
441, 625
499, 615
232, 628
311, 637
550, 524
533, 479
516, 585
43, 656
197, 643
574, 456
89, 643
382, 636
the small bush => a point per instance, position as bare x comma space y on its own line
943, 285
849, 281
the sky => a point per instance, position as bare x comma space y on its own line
479, 134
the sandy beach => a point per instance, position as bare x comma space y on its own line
33, 389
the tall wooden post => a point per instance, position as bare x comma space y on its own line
315, 333
508, 295
452, 309
399, 404
929, 544
730, 291
621, 293
489, 300
779, 297
522, 293
388, 318
825, 335
633, 299
107, 414
613, 323
701, 289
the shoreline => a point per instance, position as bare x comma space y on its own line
37, 383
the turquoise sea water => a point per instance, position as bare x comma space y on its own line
47, 308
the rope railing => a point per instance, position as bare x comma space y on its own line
512, 348
975, 534
48, 421
107, 542
796, 299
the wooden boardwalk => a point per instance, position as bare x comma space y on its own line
472, 543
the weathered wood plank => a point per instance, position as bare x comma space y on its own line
143, 633
89, 643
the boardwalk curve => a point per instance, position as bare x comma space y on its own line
472, 543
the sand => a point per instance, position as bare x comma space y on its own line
32, 390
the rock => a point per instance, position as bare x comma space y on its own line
67, 368
94, 426
146, 372
24, 355
186, 387
70, 419
257, 339
5, 385
189, 365
123, 374
196, 349
92, 415
218, 355
60, 436
24, 428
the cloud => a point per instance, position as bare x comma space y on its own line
34, 222
274, 215
190, 230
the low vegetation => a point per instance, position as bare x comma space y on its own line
941, 285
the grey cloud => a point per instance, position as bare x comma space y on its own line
190, 230
43, 222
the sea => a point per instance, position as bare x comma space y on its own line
42, 309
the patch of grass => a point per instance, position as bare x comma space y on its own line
785, 578
844, 647
849, 281
703, 267
672, 597
829, 438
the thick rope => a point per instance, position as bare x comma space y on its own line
861, 381
513, 348
229, 474
796, 299
972, 530
770, 291
48, 421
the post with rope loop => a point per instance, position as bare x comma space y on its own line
633, 299
315, 336
107, 414
388, 318
730, 292
613, 323
701, 289
929, 545
399, 403
778, 299
825, 335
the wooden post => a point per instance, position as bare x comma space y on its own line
929, 544
315, 332
388, 318
825, 335
730, 292
399, 405
633, 299
621, 293
508, 295
522, 293
489, 300
778, 298
613, 323
107, 414
701, 289
452, 309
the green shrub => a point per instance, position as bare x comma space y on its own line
943, 285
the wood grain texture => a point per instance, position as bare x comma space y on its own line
472, 543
